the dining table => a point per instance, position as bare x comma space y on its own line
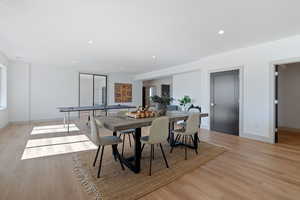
117, 123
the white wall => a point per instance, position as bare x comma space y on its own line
18, 91
289, 96
3, 111
36, 91
257, 84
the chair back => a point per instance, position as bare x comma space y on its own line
192, 123
159, 130
95, 137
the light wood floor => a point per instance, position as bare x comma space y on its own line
248, 170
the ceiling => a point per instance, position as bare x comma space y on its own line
126, 34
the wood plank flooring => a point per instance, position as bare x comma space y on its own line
248, 170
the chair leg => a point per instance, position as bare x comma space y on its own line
150, 159
195, 143
174, 142
192, 139
153, 153
129, 140
172, 147
163, 153
176, 139
123, 144
142, 148
120, 159
185, 149
100, 165
179, 138
96, 156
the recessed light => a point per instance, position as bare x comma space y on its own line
221, 32
154, 57
90, 41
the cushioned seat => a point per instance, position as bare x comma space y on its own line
145, 139
109, 140
132, 130
179, 130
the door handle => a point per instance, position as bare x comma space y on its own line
212, 104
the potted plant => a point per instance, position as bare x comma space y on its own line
184, 102
162, 103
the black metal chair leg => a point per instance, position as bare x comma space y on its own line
185, 149
163, 153
153, 152
192, 139
123, 145
100, 164
150, 159
120, 159
171, 149
196, 143
176, 139
142, 148
174, 142
96, 156
129, 140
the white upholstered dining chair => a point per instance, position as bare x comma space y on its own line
102, 141
127, 132
158, 133
188, 131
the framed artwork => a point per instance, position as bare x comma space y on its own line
123, 92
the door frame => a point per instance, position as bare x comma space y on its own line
241, 93
272, 96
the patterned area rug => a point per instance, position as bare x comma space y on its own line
115, 183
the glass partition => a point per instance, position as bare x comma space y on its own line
92, 90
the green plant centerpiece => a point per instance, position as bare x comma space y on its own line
162, 103
184, 102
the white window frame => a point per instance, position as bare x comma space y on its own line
3, 87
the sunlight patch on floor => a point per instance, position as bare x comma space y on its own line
56, 140
37, 148
60, 128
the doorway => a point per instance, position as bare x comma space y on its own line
224, 102
287, 108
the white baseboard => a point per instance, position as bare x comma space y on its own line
258, 137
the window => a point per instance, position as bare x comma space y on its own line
3, 87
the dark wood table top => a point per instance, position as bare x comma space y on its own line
118, 123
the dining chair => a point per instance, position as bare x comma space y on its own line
188, 131
127, 132
158, 133
182, 124
102, 141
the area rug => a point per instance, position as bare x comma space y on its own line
115, 183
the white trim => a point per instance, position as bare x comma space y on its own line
241, 94
272, 91
253, 136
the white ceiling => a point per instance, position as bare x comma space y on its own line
127, 33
